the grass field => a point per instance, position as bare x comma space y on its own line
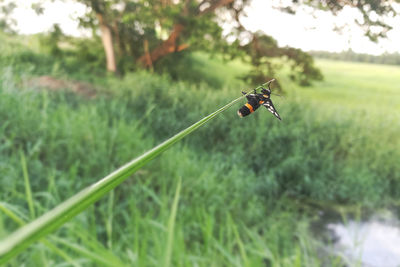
357, 86
239, 181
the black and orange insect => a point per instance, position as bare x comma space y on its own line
255, 100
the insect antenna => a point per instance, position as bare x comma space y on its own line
269, 87
265, 84
277, 94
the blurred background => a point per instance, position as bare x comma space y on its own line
87, 85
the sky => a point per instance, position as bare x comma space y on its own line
301, 30
309, 32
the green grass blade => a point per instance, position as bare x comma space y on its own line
10, 213
60, 252
28, 190
109, 219
53, 219
47, 243
97, 255
171, 226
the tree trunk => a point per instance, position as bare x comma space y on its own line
167, 47
147, 55
107, 39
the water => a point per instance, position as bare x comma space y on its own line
374, 242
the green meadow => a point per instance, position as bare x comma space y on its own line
232, 193
358, 86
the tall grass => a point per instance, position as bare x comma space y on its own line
67, 143
53, 219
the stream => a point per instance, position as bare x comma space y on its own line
373, 241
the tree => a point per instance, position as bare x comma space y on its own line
194, 18
142, 32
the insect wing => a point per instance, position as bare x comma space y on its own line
268, 104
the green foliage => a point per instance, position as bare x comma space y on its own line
263, 50
202, 68
50, 41
80, 59
84, 57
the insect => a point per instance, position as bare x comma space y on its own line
255, 100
